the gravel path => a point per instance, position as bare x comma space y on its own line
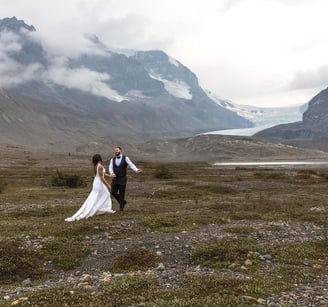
174, 249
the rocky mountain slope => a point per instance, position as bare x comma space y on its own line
311, 132
54, 101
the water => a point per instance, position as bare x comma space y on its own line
274, 163
240, 132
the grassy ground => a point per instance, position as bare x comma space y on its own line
170, 197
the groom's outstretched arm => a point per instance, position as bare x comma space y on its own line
132, 166
110, 169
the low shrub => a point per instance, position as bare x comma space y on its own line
3, 184
120, 291
222, 253
18, 263
162, 172
65, 253
69, 180
138, 259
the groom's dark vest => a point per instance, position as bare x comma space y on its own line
120, 170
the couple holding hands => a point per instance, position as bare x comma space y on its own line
99, 200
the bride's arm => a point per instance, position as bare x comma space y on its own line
102, 177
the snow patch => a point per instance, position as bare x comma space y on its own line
176, 88
173, 62
135, 94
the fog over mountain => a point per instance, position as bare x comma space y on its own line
98, 93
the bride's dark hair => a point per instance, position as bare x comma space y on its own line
96, 158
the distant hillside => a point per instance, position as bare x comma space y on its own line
206, 148
209, 148
53, 101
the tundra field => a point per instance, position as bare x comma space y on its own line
191, 235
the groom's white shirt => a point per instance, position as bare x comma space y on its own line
118, 161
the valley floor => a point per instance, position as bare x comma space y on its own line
191, 235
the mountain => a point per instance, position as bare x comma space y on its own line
261, 117
56, 101
311, 131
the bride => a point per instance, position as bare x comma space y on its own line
99, 201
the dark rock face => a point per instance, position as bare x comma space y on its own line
316, 117
13, 24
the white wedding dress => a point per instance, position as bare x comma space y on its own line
98, 201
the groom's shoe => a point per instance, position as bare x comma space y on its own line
122, 207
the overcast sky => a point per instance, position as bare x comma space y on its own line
255, 52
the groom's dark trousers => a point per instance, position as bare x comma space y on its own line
118, 191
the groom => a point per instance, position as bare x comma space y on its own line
117, 171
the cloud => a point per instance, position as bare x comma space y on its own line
127, 32
80, 78
295, 2
9, 41
230, 4
13, 73
67, 43
217, 39
315, 78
